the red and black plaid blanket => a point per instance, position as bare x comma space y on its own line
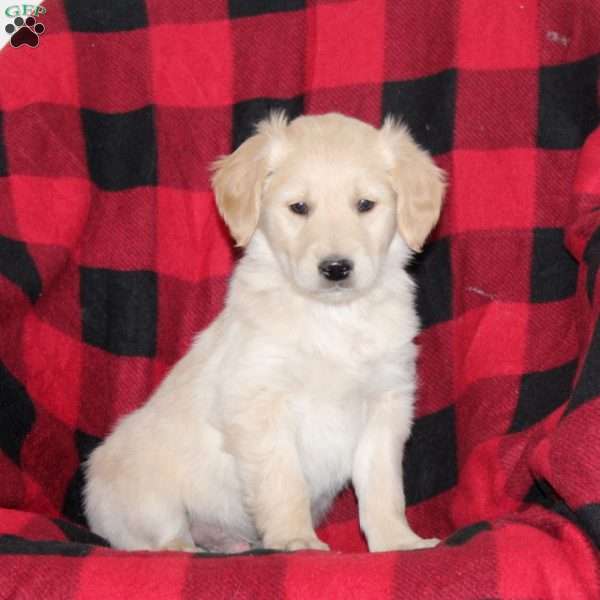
112, 257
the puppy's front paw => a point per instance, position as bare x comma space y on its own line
413, 542
419, 543
300, 543
307, 544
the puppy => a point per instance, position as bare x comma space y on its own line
306, 380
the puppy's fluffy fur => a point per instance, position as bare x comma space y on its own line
302, 383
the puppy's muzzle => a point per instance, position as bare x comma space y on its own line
335, 268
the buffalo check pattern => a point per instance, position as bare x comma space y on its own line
112, 256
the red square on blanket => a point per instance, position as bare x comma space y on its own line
125, 384
192, 64
491, 113
489, 38
45, 140
38, 75
542, 350
152, 576
180, 319
115, 220
269, 55
358, 101
115, 71
192, 241
53, 363
491, 266
414, 51
489, 341
485, 409
347, 43
189, 140
531, 555
493, 190
50, 210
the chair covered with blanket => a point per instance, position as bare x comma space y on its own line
112, 257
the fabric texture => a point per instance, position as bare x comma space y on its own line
112, 257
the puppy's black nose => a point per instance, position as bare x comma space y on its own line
335, 268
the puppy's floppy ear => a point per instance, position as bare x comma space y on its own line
418, 182
239, 177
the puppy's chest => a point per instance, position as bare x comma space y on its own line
351, 339
342, 364
328, 428
331, 410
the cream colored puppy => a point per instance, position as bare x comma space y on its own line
306, 380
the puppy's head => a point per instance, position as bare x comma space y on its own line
330, 193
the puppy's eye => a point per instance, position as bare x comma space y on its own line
300, 208
364, 205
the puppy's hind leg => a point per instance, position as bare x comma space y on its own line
167, 525
182, 543
152, 524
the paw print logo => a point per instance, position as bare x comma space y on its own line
24, 32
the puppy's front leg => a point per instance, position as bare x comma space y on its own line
377, 478
275, 490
